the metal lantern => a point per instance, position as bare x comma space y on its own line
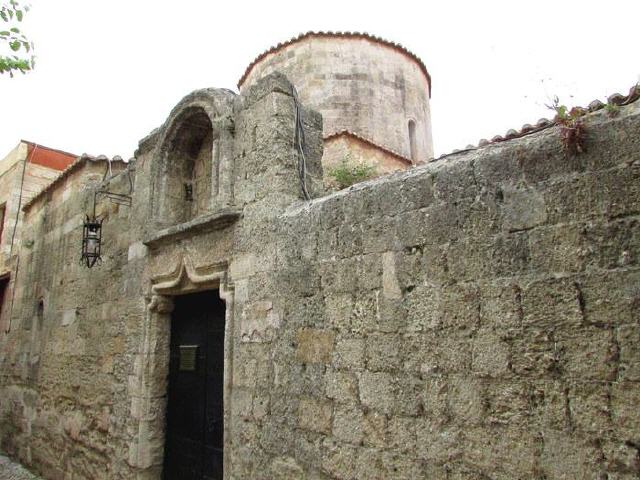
91, 241
92, 228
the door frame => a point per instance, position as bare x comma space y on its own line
149, 381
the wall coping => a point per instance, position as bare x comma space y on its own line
213, 221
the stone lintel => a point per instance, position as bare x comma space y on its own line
214, 221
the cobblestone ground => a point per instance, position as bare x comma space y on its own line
14, 471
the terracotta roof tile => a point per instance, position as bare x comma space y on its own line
80, 161
329, 34
544, 123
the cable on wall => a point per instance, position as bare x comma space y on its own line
298, 140
13, 236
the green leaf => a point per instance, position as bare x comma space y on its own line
15, 45
19, 15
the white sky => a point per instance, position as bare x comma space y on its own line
108, 72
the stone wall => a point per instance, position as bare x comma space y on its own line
66, 357
16, 190
475, 317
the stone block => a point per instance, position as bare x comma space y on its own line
349, 353
501, 306
314, 346
490, 355
523, 208
535, 352
69, 316
300, 280
589, 354
383, 352
348, 424
260, 406
621, 458
401, 434
377, 391
501, 452
612, 193
552, 303
436, 444
588, 408
259, 322
558, 249
379, 233
409, 388
341, 386
315, 415
286, 469
439, 353
612, 244
338, 460
460, 306
465, 400
566, 456
454, 179
350, 241
507, 403
611, 298
390, 285
374, 426
627, 338
137, 250
625, 398
423, 308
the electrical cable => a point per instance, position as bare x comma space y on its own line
13, 236
298, 140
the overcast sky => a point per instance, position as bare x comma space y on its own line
108, 72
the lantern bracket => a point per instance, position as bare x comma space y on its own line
92, 227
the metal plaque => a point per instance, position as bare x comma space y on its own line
188, 355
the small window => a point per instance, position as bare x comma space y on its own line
3, 209
412, 140
40, 313
4, 283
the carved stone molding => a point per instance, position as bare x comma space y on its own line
185, 277
146, 454
161, 304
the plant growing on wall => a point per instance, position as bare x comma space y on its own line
348, 173
15, 49
572, 132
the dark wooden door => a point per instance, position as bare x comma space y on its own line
194, 433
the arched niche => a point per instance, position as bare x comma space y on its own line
192, 174
191, 160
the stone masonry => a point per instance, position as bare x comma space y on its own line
473, 317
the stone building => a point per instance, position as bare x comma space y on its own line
373, 96
471, 317
24, 172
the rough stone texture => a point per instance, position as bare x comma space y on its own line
20, 180
361, 86
476, 317
13, 471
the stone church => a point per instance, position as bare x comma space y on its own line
209, 310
